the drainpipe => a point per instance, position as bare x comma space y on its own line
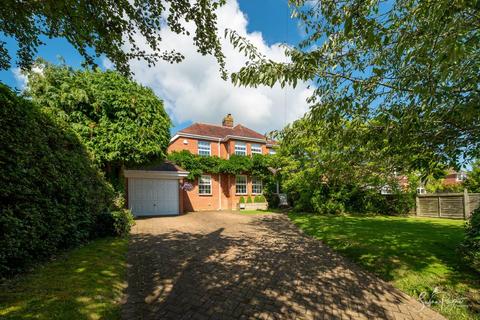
219, 181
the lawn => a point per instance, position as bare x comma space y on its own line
85, 283
417, 255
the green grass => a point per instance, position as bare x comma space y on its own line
254, 212
415, 254
85, 283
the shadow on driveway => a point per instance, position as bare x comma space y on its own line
229, 266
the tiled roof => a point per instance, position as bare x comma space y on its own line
203, 129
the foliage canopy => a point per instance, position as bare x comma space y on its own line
119, 121
413, 66
117, 29
330, 167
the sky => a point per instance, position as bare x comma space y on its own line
193, 90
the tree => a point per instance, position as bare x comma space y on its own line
473, 179
115, 29
119, 121
414, 66
330, 166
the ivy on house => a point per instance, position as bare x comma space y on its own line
196, 165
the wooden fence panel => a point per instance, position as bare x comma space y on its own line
447, 205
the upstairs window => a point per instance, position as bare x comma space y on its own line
205, 185
257, 185
240, 148
272, 151
241, 184
256, 148
204, 148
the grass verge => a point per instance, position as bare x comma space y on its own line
417, 255
85, 283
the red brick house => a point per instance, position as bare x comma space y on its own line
454, 178
220, 191
158, 190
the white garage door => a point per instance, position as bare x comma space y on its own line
153, 197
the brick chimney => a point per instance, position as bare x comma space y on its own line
228, 121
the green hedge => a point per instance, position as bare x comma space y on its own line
50, 193
470, 246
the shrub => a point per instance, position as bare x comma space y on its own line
50, 193
272, 199
249, 199
115, 223
470, 246
260, 199
241, 200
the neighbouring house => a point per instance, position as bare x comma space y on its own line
454, 178
160, 190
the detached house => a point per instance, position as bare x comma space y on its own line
158, 190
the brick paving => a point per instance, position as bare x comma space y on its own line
222, 265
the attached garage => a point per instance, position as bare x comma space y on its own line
155, 191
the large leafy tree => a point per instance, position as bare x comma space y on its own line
119, 121
413, 66
115, 28
334, 166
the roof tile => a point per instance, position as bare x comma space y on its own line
217, 131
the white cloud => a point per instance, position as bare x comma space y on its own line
194, 91
21, 78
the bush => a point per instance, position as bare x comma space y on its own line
241, 200
471, 244
272, 199
259, 199
50, 193
249, 199
115, 223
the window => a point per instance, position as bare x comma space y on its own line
271, 151
240, 148
256, 148
241, 185
461, 176
421, 190
205, 185
257, 186
204, 148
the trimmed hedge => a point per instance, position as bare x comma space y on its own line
50, 193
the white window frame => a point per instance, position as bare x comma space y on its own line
202, 148
240, 148
272, 151
257, 183
203, 182
421, 190
256, 148
461, 177
241, 184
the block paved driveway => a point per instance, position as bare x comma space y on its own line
222, 265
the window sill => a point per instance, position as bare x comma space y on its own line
205, 194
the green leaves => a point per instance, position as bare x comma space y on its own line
415, 64
257, 165
51, 193
110, 28
119, 121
